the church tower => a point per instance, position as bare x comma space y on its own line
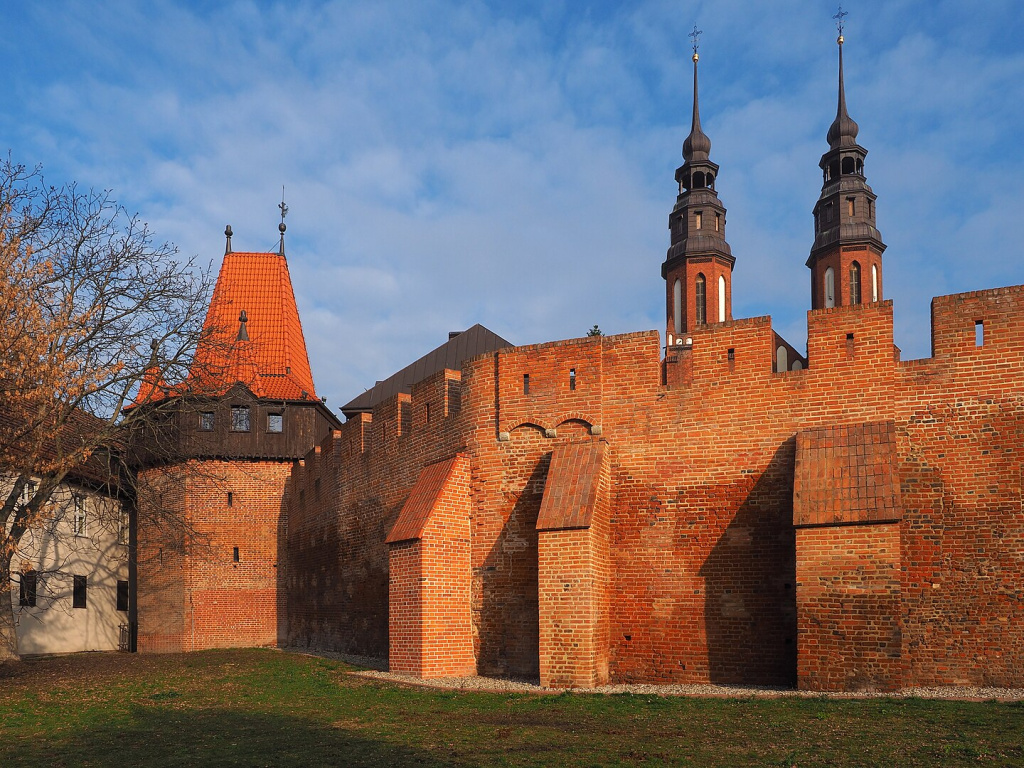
699, 262
846, 258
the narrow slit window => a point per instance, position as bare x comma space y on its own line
122, 596
80, 588
731, 355
854, 283
572, 378
234, 554
979, 333
851, 205
526, 383
81, 524
698, 216
428, 413
231, 498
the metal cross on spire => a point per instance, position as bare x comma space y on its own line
839, 19
695, 37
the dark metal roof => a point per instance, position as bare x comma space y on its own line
460, 347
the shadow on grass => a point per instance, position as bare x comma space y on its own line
160, 736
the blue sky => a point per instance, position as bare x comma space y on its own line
448, 163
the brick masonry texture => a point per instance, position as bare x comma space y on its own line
196, 594
717, 558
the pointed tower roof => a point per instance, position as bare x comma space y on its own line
843, 131
255, 331
697, 146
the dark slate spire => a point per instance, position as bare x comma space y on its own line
847, 245
843, 131
697, 145
698, 265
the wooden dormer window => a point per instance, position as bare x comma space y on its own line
240, 418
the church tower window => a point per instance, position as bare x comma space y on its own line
677, 307
874, 282
781, 359
700, 294
854, 283
721, 298
830, 287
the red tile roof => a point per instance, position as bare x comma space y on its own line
572, 487
421, 502
273, 363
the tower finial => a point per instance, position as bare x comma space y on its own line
840, 15
697, 145
243, 331
227, 235
843, 131
281, 227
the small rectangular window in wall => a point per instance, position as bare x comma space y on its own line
239, 418
28, 491
979, 333
572, 378
27, 596
78, 598
234, 555
231, 498
698, 217
206, 421
526, 383
79, 521
123, 526
122, 595
275, 422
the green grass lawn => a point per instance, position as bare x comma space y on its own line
261, 707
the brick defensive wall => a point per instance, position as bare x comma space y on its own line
689, 517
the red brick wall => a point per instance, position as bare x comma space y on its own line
849, 607
430, 623
338, 582
701, 542
574, 568
199, 596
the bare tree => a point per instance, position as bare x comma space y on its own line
93, 310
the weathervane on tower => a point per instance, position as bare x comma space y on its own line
695, 36
281, 227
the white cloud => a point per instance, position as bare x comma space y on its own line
449, 163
